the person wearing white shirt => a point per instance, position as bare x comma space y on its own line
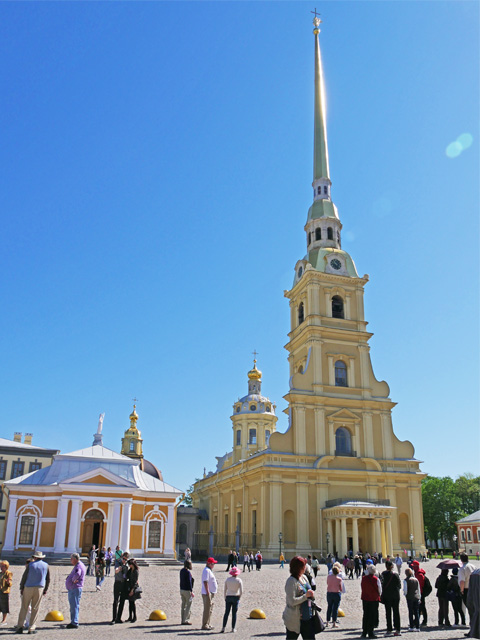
209, 589
233, 590
464, 577
398, 563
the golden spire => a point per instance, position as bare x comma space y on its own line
254, 374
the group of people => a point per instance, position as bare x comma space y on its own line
35, 582
301, 614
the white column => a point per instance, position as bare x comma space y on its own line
115, 528
384, 537
109, 524
126, 521
11, 525
355, 535
336, 544
74, 526
61, 526
330, 533
170, 532
378, 536
343, 523
389, 537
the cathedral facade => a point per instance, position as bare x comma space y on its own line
338, 479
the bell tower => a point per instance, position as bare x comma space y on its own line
132, 440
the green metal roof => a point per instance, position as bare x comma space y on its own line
322, 209
316, 258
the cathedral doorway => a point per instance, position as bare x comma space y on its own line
93, 528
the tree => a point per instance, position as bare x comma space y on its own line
467, 491
187, 500
440, 507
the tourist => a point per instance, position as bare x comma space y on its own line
350, 566
441, 585
33, 586
231, 559
425, 589
99, 571
252, 560
235, 558
118, 554
455, 595
371, 592
74, 585
411, 590
309, 576
186, 591
246, 561
132, 589
92, 558
119, 588
209, 589
258, 560
233, 590
108, 560
297, 615
391, 585
398, 563
334, 595
464, 574
187, 554
358, 566
282, 561
473, 604
6, 580
314, 565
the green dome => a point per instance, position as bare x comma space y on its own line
322, 209
318, 259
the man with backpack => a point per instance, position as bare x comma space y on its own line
425, 589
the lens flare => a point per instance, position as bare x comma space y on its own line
466, 140
454, 149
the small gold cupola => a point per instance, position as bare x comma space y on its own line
132, 440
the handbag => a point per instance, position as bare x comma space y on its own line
317, 622
137, 592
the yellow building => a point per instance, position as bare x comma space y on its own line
16, 459
91, 496
338, 479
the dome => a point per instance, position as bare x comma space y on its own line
151, 469
254, 374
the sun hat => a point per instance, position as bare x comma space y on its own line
38, 555
369, 561
211, 561
234, 571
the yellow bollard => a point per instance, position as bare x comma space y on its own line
257, 614
54, 616
341, 613
158, 614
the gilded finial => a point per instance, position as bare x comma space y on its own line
316, 22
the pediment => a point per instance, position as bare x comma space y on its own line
344, 414
99, 476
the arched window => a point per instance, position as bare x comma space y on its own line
338, 237
330, 233
325, 190
27, 528
469, 535
300, 271
132, 446
154, 534
239, 437
301, 313
252, 436
343, 442
309, 237
267, 436
337, 307
340, 374
319, 190
462, 535
318, 234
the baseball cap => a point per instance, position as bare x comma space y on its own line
211, 561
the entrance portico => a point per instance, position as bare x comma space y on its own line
359, 526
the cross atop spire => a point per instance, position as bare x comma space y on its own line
316, 21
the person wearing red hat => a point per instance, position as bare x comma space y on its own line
233, 590
209, 589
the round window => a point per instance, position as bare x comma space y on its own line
238, 409
252, 407
269, 408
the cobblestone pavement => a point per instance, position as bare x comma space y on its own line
263, 589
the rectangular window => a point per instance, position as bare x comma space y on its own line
154, 534
27, 528
17, 469
226, 530
34, 466
267, 436
3, 469
239, 438
252, 436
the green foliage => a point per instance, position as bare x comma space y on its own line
445, 501
187, 500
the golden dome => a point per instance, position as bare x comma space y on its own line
254, 374
134, 414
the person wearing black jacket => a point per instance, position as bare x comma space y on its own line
119, 588
132, 583
186, 591
441, 585
455, 595
391, 585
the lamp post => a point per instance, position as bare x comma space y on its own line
411, 546
454, 538
328, 540
280, 538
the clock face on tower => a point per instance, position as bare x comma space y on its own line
335, 264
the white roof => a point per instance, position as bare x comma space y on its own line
20, 445
473, 517
96, 451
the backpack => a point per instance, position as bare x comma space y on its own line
427, 587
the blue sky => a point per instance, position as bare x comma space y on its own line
156, 163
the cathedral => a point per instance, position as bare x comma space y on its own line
338, 480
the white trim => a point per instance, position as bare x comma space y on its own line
37, 527
82, 519
98, 471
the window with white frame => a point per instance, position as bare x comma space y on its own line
27, 529
154, 534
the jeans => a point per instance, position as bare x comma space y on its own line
231, 602
423, 611
333, 600
443, 611
414, 613
108, 564
392, 605
74, 596
99, 580
458, 609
